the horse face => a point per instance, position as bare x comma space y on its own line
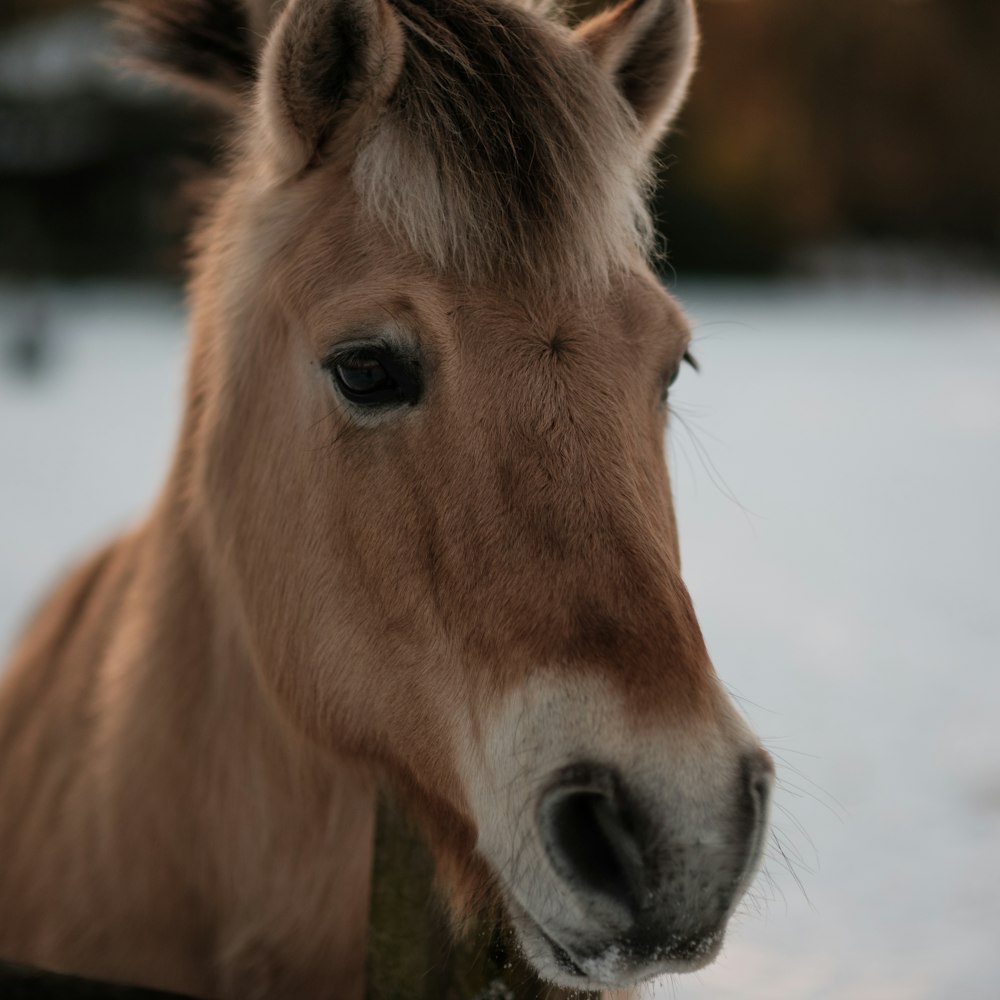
441, 502
447, 512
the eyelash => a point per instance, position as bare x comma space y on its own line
395, 378
687, 358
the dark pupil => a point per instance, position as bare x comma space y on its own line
362, 375
668, 381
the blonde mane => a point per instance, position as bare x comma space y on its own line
503, 153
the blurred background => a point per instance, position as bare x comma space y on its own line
830, 202
826, 134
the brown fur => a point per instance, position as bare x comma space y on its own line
190, 728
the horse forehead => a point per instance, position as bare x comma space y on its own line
636, 312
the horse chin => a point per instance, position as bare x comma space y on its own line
615, 964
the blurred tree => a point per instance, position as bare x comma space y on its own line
836, 119
16, 10
90, 160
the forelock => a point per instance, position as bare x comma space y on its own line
504, 153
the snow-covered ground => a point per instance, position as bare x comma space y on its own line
846, 568
837, 466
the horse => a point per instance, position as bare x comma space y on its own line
417, 529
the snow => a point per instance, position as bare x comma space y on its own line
84, 443
846, 570
837, 469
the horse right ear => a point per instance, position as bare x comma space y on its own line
325, 62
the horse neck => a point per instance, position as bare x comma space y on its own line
208, 848
284, 828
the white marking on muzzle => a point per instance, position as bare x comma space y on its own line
685, 781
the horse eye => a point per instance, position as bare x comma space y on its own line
671, 376
361, 376
668, 380
374, 376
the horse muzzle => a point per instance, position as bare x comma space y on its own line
634, 883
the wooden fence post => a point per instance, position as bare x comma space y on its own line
412, 952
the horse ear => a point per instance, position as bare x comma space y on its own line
204, 45
648, 47
325, 61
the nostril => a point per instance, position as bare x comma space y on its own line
591, 843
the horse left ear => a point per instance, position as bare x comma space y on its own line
649, 48
325, 63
